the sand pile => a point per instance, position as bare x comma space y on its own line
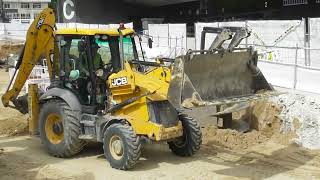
263, 118
12, 122
14, 126
285, 119
231, 139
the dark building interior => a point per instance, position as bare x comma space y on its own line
184, 11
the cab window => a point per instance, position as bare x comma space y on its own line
128, 48
104, 51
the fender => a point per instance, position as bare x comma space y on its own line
103, 124
66, 95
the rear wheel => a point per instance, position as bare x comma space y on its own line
122, 147
60, 129
190, 142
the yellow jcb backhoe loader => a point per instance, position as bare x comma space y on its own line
100, 91
96, 95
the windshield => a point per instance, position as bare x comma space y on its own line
128, 48
104, 51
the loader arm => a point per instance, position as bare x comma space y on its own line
39, 41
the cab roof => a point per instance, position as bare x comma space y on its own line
92, 32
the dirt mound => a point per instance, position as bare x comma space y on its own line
264, 123
13, 123
262, 116
7, 49
231, 139
13, 127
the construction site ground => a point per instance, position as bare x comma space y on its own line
261, 153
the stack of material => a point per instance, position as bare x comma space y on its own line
305, 110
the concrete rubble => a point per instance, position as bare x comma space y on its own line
306, 110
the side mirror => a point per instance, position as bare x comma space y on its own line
150, 42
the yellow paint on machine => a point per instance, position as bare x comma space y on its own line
137, 113
33, 105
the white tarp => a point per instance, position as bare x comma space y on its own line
288, 33
169, 40
283, 75
277, 32
191, 43
160, 34
177, 35
315, 41
14, 31
277, 74
307, 80
209, 37
285, 33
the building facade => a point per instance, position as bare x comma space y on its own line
23, 11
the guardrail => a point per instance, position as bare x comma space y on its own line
293, 67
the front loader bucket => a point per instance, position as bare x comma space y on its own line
225, 78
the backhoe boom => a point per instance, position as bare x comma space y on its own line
39, 41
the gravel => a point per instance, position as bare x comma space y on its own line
305, 109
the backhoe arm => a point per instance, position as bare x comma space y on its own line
39, 41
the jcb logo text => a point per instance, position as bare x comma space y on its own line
119, 81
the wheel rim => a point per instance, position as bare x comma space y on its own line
54, 128
116, 147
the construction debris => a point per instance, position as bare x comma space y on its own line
9, 53
305, 110
7, 49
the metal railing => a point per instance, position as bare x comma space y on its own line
168, 47
307, 57
298, 58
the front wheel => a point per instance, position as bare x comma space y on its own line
190, 142
122, 147
60, 129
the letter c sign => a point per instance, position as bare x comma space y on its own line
71, 14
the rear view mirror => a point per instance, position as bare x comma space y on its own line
150, 42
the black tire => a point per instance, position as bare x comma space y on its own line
131, 145
70, 144
190, 142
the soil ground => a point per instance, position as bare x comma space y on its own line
7, 49
261, 153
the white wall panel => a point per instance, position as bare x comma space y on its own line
209, 37
308, 80
278, 75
